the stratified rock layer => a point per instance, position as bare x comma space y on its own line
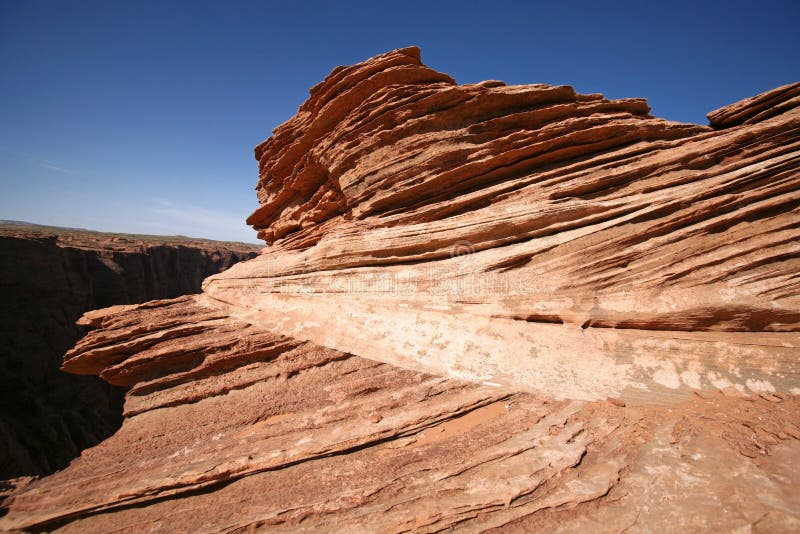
530, 236
231, 428
48, 278
483, 306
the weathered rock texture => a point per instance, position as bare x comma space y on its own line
231, 428
48, 278
612, 253
482, 306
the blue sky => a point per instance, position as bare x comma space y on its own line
142, 116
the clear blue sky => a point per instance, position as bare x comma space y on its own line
140, 116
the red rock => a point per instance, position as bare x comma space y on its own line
608, 253
757, 108
616, 402
475, 265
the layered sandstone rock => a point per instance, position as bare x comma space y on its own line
48, 278
231, 428
483, 306
610, 253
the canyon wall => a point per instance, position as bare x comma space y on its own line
48, 278
481, 307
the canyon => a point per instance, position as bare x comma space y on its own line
481, 306
48, 278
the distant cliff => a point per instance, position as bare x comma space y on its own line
48, 278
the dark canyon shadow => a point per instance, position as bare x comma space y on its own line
47, 417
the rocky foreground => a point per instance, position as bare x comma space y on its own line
48, 278
482, 307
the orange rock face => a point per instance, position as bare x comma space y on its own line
530, 236
481, 307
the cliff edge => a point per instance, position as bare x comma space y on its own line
48, 278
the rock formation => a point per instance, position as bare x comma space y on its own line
483, 307
48, 278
